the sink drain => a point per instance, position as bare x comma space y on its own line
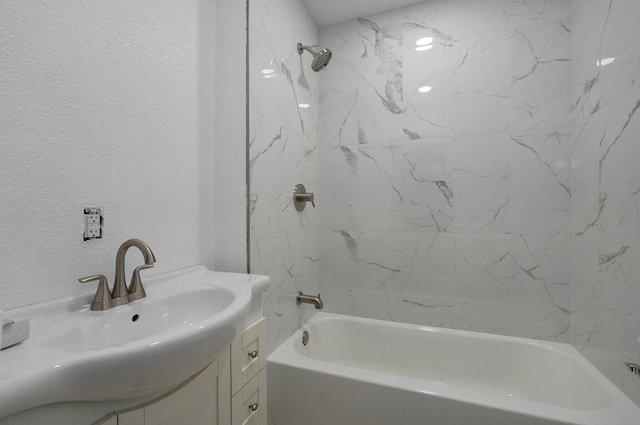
135, 317
305, 338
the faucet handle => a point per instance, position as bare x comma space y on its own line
136, 290
301, 197
102, 299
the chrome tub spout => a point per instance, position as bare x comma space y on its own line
310, 299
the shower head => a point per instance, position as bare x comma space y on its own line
320, 60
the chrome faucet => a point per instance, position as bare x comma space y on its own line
104, 299
310, 299
120, 294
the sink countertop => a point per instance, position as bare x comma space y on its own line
45, 370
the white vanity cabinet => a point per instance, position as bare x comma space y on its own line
230, 391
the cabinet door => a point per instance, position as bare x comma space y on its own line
132, 417
248, 354
196, 403
205, 400
110, 419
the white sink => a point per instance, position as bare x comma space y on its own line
141, 348
175, 307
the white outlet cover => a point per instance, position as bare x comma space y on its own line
93, 222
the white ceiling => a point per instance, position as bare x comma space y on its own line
331, 11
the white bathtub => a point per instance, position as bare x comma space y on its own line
361, 371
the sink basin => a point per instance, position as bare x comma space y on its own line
90, 330
145, 347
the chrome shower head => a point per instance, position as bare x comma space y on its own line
320, 59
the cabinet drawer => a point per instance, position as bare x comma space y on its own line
249, 405
248, 354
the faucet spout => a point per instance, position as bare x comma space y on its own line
310, 299
122, 295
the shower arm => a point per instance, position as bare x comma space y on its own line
302, 48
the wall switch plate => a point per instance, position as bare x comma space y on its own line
93, 223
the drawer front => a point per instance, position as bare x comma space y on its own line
248, 354
249, 405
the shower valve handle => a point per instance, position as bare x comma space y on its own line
306, 197
301, 197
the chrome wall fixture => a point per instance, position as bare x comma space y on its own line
320, 59
121, 294
301, 197
310, 299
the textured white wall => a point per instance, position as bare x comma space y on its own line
100, 105
230, 237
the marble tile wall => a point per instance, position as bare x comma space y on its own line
503, 200
283, 151
605, 254
450, 207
